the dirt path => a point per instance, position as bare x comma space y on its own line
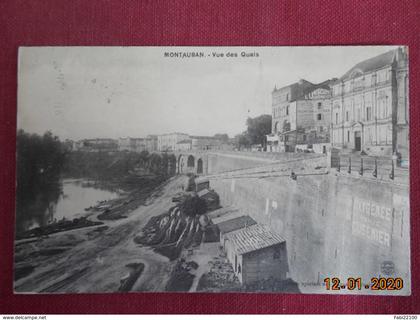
95, 262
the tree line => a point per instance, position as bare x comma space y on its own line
43, 160
40, 159
118, 165
255, 134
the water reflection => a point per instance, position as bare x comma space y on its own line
64, 199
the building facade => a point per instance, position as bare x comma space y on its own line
301, 115
132, 144
168, 142
370, 106
96, 145
183, 145
151, 143
205, 143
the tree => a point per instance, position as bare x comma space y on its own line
258, 128
39, 163
222, 137
242, 140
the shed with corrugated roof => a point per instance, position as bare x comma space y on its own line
232, 224
256, 253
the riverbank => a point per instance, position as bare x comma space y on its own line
133, 191
99, 258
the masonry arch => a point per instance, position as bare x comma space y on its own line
172, 165
178, 164
190, 161
199, 166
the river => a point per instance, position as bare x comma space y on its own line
74, 197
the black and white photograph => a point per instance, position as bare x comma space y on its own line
213, 169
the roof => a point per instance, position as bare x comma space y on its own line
201, 180
235, 224
371, 64
204, 137
323, 85
203, 192
253, 238
229, 216
221, 212
172, 133
299, 89
303, 87
184, 141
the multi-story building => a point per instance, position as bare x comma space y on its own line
124, 144
301, 115
370, 106
205, 143
132, 144
199, 143
96, 145
168, 142
183, 145
151, 143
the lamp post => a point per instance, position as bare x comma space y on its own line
349, 169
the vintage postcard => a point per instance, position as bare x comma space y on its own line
213, 169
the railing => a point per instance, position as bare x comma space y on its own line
274, 156
380, 168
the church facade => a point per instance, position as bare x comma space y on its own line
369, 110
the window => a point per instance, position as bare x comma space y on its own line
304, 137
286, 138
348, 136
368, 114
382, 108
287, 97
287, 110
336, 118
347, 116
321, 128
319, 105
319, 116
382, 76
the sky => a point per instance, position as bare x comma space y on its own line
111, 92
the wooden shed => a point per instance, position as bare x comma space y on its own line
226, 217
221, 212
201, 183
233, 224
257, 253
212, 233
